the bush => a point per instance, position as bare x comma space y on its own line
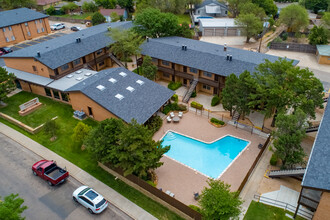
151, 183
278, 40
175, 98
50, 127
196, 105
196, 208
273, 160
215, 100
216, 121
98, 18
50, 10
193, 94
174, 107
154, 123
284, 36
174, 85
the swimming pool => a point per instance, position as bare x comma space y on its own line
210, 159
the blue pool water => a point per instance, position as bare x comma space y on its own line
209, 159
204, 17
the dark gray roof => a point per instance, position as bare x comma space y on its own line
204, 56
59, 51
29, 77
317, 174
140, 104
207, 2
17, 16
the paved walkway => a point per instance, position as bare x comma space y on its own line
114, 197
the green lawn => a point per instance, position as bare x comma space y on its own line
83, 16
64, 147
184, 18
258, 210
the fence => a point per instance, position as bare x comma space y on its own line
71, 20
284, 205
134, 180
306, 48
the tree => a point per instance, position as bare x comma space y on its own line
89, 7
149, 70
109, 4
316, 5
138, 153
229, 98
268, 5
69, 7
128, 4
234, 6
103, 140
11, 207
218, 202
114, 17
98, 18
80, 132
326, 20
153, 23
50, 10
288, 136
10, 4
127, 43
50, 128
253, 9
184, 30
243, 95
7, 83
295, 17
318, 35
251, 25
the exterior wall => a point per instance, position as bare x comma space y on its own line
323, 59
220, 31
26, 64
20, 31
323, 209
81, 102
202, 12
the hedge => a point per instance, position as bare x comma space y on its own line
196, 105
175, 98
174, 85
174, 107
273, 160
215, 100
216, 121
193, 94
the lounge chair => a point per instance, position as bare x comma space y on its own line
180, 114
172, 114
169, 119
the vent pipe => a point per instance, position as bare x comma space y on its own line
182, 47
227, 56
230, 58
185, 47
225, 47
147, 39
38, 53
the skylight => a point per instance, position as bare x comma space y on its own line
100, 87
131, 89
122, 74
69, 76
139, 82
80, 78
79, 71
119, 96
88, 74
112, 80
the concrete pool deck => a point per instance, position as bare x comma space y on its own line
184, 181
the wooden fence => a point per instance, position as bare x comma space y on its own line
305, 48
70, 20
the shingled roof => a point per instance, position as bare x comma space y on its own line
207, 2
140, 100
317, 174
17, 16
59, 51
204, 56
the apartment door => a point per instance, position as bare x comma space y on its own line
215, 91
173, 66
185, 82
90, 111
184, 69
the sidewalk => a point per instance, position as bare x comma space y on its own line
114, 197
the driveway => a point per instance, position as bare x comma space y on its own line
43, 201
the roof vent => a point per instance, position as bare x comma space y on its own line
112, 80
225, 47
139, 82
147, 39
230, 58
69, 76
122, 74
227, 56
182, 47
78, 72
100, 87
78, 40
38, 54
80, 78
119, 96
131, 89
88, 74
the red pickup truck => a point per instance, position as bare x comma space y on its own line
49, 171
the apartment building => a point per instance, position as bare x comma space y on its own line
22, 24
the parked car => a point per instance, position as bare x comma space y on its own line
93, 201
49, 171
76, 28
57, 26
5, 50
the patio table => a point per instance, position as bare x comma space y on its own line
176, 119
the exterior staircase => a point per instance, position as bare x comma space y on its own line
299, 172
189, 91
312, 129
118, 62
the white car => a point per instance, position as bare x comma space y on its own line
93, 201
57, 26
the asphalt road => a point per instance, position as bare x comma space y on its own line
43, 201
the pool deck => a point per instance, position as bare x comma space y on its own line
184, 181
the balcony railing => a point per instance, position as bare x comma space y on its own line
166, 70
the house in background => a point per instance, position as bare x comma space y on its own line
323, 54
120, 12
44, 4
22, 24
219, 27
210, 9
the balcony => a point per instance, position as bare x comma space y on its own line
66, 72
208, 82
98, 59
166, 70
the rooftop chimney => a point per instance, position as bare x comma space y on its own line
147, 39
38, 53
227, 56
230, 58
185, 47
77, 40
225, 47
182, 47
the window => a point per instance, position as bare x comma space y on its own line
29, 34
9, 28
206, 87
13, 37
4, 29
40, 21
165, 63
48, 93
42, 29
207, 74
7, 39
34, 68
35, 21
26, 24
65, 96
76, 62
65, 67
192, 70
38, 31
166, 75
56, 94
226, 12
86, 200
101, 64
99, 52
154, 60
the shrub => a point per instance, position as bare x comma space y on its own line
175, 98
278, 40
273, 160
174, 85
151, 183
284, 36
50, 127
196, 208
50, 10
174, 107
193, 94
196, 105
216, 121
154, 123
215, 100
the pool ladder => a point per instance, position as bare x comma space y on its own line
171, 136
